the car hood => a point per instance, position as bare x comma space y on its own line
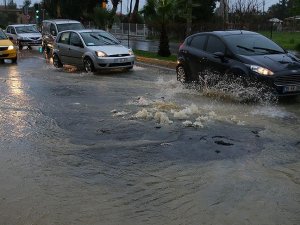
5, 42
110, 49
30, 35
274, 62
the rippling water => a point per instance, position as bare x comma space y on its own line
141, 148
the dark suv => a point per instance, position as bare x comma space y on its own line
50, 29
238, 53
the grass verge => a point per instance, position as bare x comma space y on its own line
287, 40
152, 55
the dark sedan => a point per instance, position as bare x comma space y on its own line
244, 54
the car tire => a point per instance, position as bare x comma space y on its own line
56, 61
88, 65
182, 75
14, 60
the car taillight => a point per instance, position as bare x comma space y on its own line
181, 45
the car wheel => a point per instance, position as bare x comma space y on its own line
56, 61
20, 47
14, 60
88, 65
182, 75
1, 61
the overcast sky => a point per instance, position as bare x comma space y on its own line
142, 2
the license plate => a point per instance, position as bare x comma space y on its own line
120, 60
291, 88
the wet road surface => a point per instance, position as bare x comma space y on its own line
140, 148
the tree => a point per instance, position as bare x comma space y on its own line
27, 3
133, 16
159, 12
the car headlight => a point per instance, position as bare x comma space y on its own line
130, 52
11, 47
261, 70
101, 54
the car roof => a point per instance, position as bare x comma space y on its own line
84, 30
22, 25
61, 21
232, 32
227, 32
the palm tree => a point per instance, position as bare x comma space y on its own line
133, 16
159, 12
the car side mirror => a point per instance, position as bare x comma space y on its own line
53, 32
78, 44
219, 55
10, 38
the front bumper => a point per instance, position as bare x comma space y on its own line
30, 42
284, 83
114, 62
8, 54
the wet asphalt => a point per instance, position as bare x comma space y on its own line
140, 148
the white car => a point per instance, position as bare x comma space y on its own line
24, 35
91, 50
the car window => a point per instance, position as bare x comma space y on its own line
2, 35
214, 44
52, 29
8, 30
69, 26
198, 42
64, 38
13, 31
98, 38
26, 29
252, 44
75, 39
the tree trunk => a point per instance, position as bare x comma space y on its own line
133, 17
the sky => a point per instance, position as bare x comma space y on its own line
142, 2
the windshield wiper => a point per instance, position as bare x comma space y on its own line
268, 50
245, 48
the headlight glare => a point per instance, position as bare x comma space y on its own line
261, 70
130, 52
101, 54
11, 47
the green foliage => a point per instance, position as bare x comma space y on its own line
101, 17
297, 47
285, 39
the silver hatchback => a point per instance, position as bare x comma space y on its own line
92, 50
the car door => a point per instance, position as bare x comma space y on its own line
62, 45
196, 54
76, 49
216, 60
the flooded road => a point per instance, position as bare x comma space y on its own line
140, 148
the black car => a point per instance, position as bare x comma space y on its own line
239, 53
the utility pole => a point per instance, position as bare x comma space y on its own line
264, 3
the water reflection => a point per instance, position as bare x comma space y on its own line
15, 102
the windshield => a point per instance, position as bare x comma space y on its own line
26, 29
2, 35
69, 26
99, 38
252, 44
